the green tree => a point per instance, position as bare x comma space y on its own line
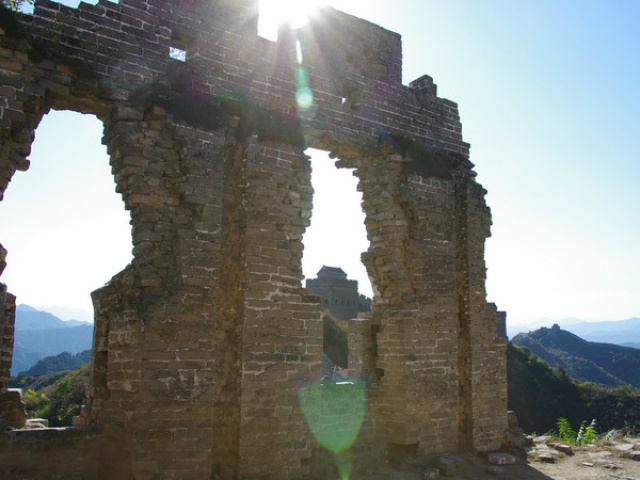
35, 402
59, 402
63, 387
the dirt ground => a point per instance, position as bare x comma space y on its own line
540, 461
619, 459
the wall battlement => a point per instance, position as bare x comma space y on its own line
203, 343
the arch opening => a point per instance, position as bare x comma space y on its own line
333, 246
67, 233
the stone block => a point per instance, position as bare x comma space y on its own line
546, 457
624, 447
431, 474
13, 412
451, 466
497, 458
634, 455
562, 447
37, 423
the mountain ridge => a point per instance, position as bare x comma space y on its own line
39, 334
541, 394
29, 318
617, 332
609, 332
57, 363
598, 362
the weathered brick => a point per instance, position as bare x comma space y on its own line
208, 334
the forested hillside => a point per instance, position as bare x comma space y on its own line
58, 363
601, 363
58, 397
540, 395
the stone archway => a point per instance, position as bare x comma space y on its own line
203, 344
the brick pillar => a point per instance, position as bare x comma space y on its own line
433, 326
462, 284
487, 349
7, 331
153, 380
411, 262
12, 408
361, 338
6, 326
274, 329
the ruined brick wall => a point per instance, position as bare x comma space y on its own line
12, 413
7, 327
203, 342
51, 453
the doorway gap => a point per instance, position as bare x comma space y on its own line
333, 245
67, 233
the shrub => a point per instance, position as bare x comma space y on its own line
565, 432
585, 435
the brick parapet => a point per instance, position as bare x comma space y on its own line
29, 453
354, 72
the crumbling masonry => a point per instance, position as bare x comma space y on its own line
203, 343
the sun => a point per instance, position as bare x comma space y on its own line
275, 12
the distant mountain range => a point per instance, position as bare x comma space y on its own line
622, 332
602, 363
40, 334
68, 313
29, 318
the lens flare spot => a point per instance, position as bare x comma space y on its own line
334, 413
304, 98
304, 95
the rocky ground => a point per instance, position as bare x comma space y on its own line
548, 460
544, 459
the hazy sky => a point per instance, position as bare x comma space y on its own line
549, 97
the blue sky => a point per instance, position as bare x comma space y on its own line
549, 98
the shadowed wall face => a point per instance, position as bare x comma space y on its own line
204, 342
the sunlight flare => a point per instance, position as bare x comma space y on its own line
276, 12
